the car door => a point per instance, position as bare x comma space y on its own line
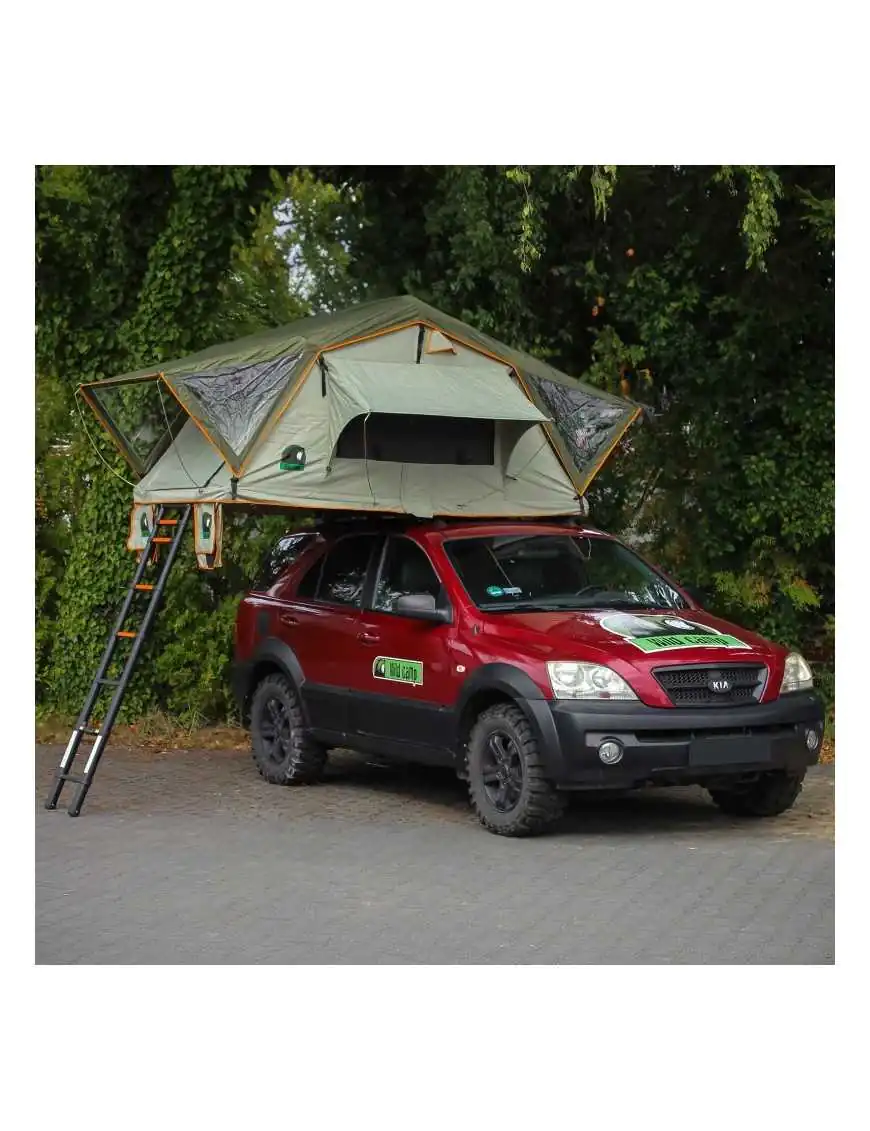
408, 682
321, 623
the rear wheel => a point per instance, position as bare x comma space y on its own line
768, 796
283, 751
506, 781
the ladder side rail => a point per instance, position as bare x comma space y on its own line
96, 751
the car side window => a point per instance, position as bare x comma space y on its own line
343, 575
406, 569
280, 557
307, 587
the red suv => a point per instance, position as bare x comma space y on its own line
533, 657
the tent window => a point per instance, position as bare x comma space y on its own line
585, 421
146, 416
234, 401
401, 438
436, 342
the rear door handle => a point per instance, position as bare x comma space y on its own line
286, 618
369, 637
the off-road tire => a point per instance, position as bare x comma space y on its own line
293, 757
771, 794
538, 804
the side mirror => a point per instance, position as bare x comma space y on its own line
422, 606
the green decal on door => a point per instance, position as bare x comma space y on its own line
399, 671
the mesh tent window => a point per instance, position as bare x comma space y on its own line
586, 424
142, 415
401, 438
234, 402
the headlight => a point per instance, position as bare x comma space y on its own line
571, 680
797, 675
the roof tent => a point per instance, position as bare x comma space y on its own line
387, 406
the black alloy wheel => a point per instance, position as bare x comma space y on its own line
284, 751
502, 769
275, 731
507, 780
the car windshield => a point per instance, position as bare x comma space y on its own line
548, 572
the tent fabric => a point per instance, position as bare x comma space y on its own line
324, 332
360, 387
524, 478
302, 385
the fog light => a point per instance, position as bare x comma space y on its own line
610, 752
812, 740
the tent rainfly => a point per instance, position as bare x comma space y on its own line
388, 406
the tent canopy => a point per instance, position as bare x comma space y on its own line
376, 397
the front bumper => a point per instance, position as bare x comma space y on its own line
675, 745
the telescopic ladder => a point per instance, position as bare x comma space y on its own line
130, 639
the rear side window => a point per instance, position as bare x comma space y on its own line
308, 585
406, 570
282, 555
340, 578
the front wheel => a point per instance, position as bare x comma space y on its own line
506, 781
771, 794
283, 751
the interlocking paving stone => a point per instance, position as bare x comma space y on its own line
189, 857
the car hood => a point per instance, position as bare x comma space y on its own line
635, 635
633, 643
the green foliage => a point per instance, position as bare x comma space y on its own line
136, 265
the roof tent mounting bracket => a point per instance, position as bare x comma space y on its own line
421, 337
234, 487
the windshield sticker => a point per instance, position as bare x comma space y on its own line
660, 633
398, 671
507, 591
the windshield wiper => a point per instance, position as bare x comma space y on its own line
568, 606
626, 603
522, 607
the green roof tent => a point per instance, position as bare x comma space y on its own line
387, 406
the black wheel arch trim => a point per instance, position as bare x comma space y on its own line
516, 685
269, 651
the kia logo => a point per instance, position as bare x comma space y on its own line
720, 686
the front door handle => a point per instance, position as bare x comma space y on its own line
286, 618
369, 637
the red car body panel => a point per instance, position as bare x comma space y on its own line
336, 645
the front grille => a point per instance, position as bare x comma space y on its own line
695, 686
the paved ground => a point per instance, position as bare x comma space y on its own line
189, 857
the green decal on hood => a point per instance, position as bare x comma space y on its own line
660, 633
399, 671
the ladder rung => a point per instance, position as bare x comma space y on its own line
128, 635
89, 730
161, 538
74, 778
109, 682
145, 588
167, 522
